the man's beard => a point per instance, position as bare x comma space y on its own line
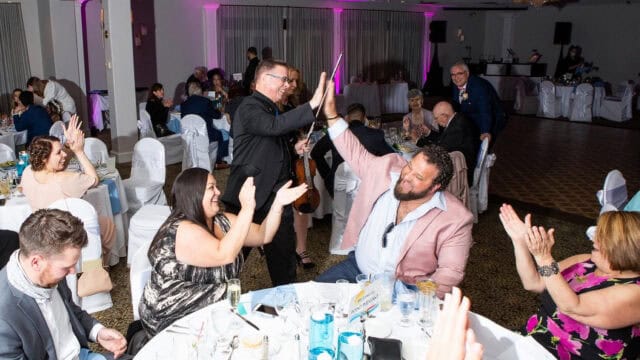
410, 195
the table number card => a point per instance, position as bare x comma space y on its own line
365, 302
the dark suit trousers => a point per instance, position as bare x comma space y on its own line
281, 252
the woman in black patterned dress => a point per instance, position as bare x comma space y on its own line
197, 249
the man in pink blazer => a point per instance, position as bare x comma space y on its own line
402, 220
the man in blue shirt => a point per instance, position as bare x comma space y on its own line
35, 119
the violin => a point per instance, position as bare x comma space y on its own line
305, 171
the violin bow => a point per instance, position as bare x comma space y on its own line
326, 91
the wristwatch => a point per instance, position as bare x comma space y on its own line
548, 270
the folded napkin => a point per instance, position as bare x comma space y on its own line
114, 196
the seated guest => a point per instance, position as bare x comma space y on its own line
50, 90
200, 76
17, 107
158, 109
402, 220
590, 302
34, 119
203, 107
198, 248
372, 140
457, 133
39, 319
419, 122
45, 181
476, 98
221, 96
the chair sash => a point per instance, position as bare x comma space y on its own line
582, 103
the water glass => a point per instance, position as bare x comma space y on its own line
406, 302
385, 283
320, 353
321, 328
362, 280
350, 345
426, 300
233, 292
343, 301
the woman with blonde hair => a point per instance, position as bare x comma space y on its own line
590, 302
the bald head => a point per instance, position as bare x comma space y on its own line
442, 112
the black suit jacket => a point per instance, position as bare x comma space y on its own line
202, 106
482, 106
260, 148
460, 135
372, 140
250, 73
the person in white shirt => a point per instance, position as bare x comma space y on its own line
50, 91
38, 319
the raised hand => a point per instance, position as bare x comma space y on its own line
330, 110
247, 195
515, 228
406, 123
540, 242
317, 96
73, 135
286, 194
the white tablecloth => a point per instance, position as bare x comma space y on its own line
499, 342
393, 98
565, 93
98, 103
365, 94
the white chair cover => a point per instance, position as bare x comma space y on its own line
598, 96
96, 150
195, 142
8, 140
6, 153
139, 275
548, 107
618, 109
172, 143
591, 230
90, 253
526, 102
474, 192
582, 103
145, 186
345, 188
143, 227
57, 130
614, 191
142, 106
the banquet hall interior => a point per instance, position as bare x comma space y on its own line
550, 160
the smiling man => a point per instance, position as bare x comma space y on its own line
261, 137
402, 220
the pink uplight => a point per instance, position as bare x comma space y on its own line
429, 14
212, 6
337, 10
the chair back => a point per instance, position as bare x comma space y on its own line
148, 161
142, 106
627, 97
547, 107
8, 140
139, 275
145, 125
482, 155
96, 150
196, 142
582, 103
57, 130
614, 191
6, 153
459, 184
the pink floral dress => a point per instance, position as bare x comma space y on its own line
570, 339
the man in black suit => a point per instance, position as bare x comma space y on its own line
457, 133
250, 72
372, 139
261, 135
199, 105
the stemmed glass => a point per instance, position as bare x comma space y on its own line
407, 302
343, 300
286, 307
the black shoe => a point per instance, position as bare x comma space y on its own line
301, 257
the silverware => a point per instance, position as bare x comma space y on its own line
245, 320
425, 331
235, 342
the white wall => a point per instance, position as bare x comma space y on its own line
472, 25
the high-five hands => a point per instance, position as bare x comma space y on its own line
317, 96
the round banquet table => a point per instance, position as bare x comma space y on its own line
195, 335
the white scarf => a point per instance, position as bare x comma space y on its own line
18, 278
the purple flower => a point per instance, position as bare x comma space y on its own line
610, 347
601, 332
532, 323
586, 282
570, 325
577, 269
564, 345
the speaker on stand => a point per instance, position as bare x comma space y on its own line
437, 35
562, 37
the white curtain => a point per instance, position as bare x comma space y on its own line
14, 59
380, 44
310, 42
241, 27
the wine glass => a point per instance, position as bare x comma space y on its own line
233, 292
343, 300
286, 307
407, 302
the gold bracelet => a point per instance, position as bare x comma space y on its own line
334, 117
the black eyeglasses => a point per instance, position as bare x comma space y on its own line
283, 78
387, 230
